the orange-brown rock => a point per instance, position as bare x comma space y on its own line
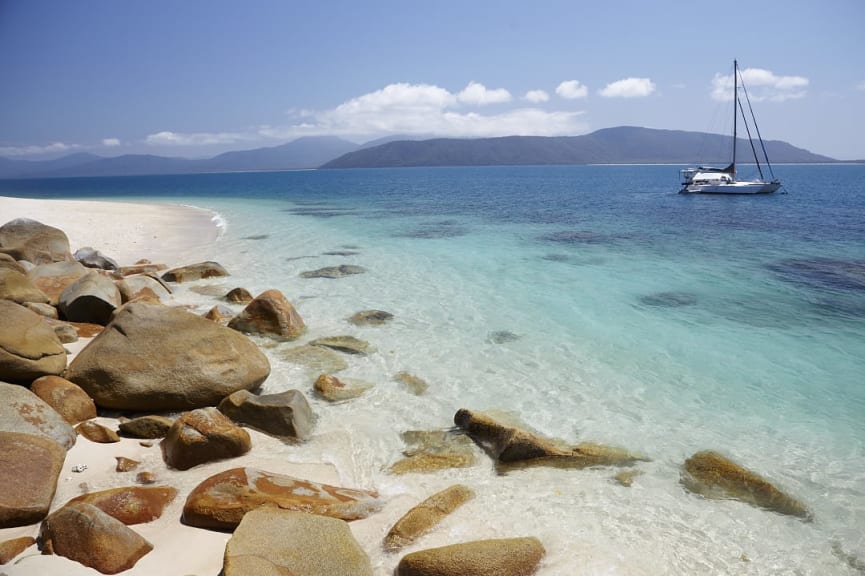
500, 557
52, 279
9, 549
432, 450
23, 411
203, 435
192, 272
92, 298
270, 314
131, 504
142, 268
26, 239
96, 432
239, 296
84, 533
17, 287
220, 501
145, 477
423, 517
219, 314
143, 286
332, 388
7, 261
514, 446
150, 426
68, 399
125, 464
29, 468
712, 475
29, 348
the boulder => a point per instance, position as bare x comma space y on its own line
143, 286
131, 504
150, 426
286, 415
334, 271
511, 446
220, 502
56, 277
423, 517
712, 475
17, 287
9, 549
44, 310
10, 263
160, 358
68, 399
432, 450
203, 435
281, 542
270, 314
26, 239
89, 536
239, 296
501, 557
345, 344
92, 298
29, 348
370, 318
333, 389
29, 468
314, 358
23, 411
93, 258
96, 432
192, 272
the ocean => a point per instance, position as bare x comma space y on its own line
592, 303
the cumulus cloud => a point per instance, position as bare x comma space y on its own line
572, 90
110, 142
536, 96
35, 150
167, 137
478, 94
628, 88
761, 84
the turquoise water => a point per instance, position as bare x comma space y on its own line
594, 303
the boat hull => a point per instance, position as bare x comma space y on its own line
731, 188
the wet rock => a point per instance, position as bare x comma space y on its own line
144, 267
26, 239
89, 536
68, 399
432, 450
340, 271
92, 258
502, 557
145, 477
626, 477
514, 446
423, 517
273, 541
315, 358
144, 287
159, 358
9, 549
203, 435
23, 411
270, 314
285, 415
125, 464
333, 389
29, 348
669, 299
199, 271
414, 384
17, 287
712, 475
96, 432
239, 296
220, 315
150, 426
130, 504
370, 318
92, 298
345, 344
52, 279
220, 502
29, 468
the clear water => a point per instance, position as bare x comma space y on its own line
635, 316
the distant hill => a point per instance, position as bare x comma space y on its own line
307, 152
622, 145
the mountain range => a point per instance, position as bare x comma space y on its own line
622, 145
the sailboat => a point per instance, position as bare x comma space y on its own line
712, 180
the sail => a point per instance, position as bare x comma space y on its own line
731, 169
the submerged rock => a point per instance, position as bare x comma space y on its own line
332, 388
334, 271
423, 517
823, 272
414, 384
192, 272
431, 450
712, 475
370, 318
345, 344
501, 557
315, 358
503, 337
669, 299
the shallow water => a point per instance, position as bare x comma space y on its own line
595, 304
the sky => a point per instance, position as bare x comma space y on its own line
196, 78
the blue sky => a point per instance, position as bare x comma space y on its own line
199, 77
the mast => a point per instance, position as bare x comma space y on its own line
735, 110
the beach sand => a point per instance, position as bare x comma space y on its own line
173, 235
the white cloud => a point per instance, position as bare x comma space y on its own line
536, 96
861, 86
476, 93
572, 89
35, 150
110, 142
167, 137
628, 88
761, 85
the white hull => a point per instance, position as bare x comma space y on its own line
746, 187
